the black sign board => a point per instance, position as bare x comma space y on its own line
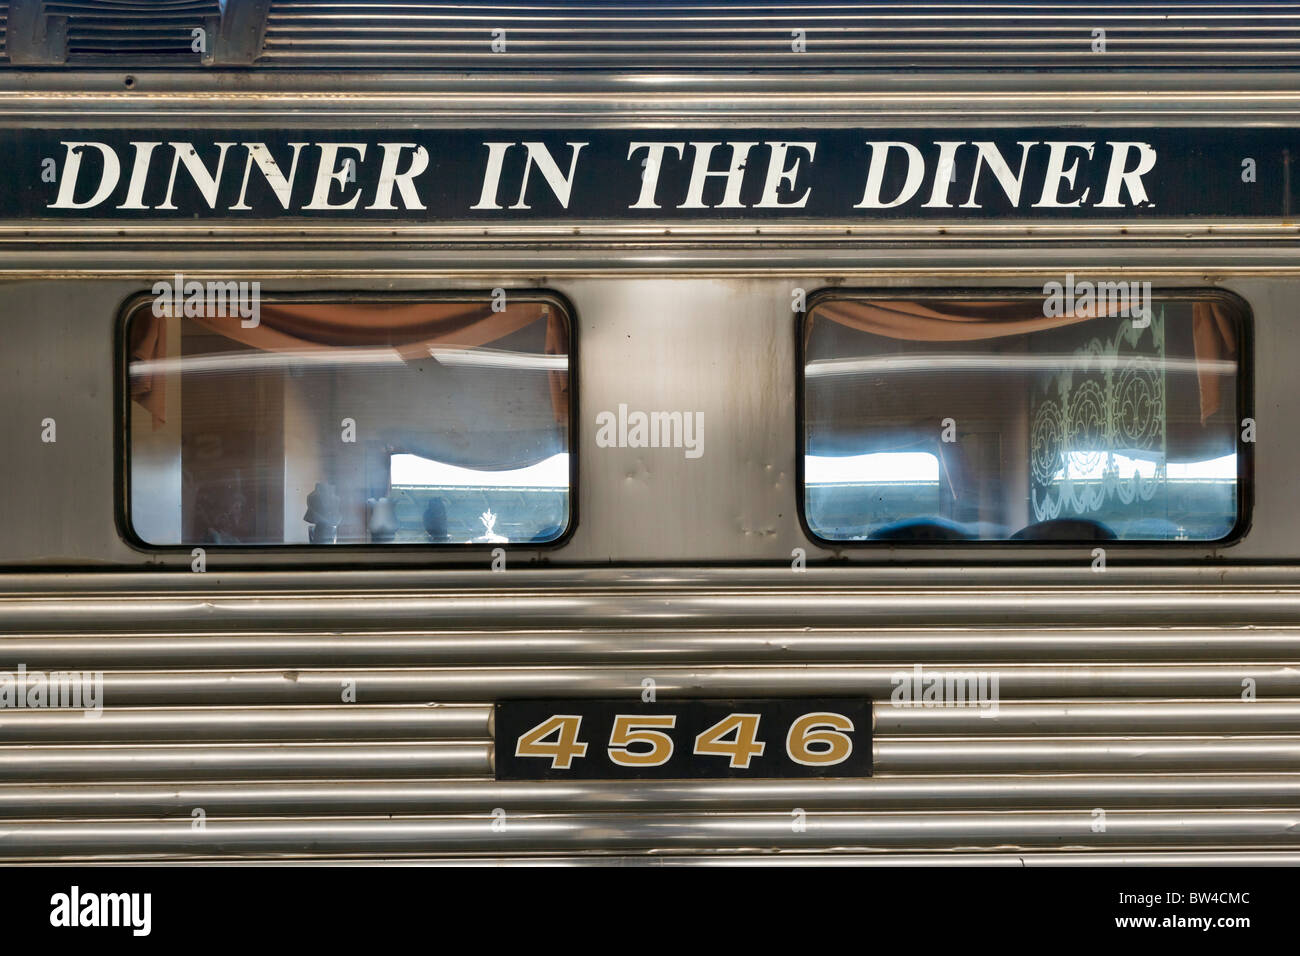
766, 175
618, 739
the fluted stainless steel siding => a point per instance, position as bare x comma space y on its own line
224, 735
709, 35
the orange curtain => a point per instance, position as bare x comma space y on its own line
1213, 332
410, 328
1215, 337
944, 321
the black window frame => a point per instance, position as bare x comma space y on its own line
1244, 408
351, 553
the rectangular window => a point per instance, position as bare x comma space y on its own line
1077, 416
324, 422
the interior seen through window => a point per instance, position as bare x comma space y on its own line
329, 423
965, 419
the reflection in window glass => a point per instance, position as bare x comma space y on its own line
446, 503
435, 423
959, 419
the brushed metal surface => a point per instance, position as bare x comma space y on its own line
354, 797
903, 646
244, 761
1121, 692
629, 608
1251, 829
356, 722
475, 684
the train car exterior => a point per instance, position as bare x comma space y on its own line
799, 434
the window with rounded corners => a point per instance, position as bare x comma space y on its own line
318, 421
1093, 411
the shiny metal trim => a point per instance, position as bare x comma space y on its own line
1199, 265
1086, 754
1091, 857
247, 798
351, 722
829, 240
527, 607
471, 684
690, 643
1125, 829
376, 98
209, 761
1203, 266
1083, 717
1217, 858
1038, 580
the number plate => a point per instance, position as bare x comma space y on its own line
617, 739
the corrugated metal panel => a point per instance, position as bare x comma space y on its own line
760, 36
781, 36
224, 735
675, 831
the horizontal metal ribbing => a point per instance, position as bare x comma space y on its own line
237, 712
1085, 754
907, 792
465, 758
1091, 717
215, 761
305, 100
355, 722
812, 607
1238, 829
1074, 583
757, 36
1022, 858
760, 645
477, 684
360, 722
1028, 858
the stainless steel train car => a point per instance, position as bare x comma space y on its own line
675, 433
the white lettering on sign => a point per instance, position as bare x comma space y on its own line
683, 175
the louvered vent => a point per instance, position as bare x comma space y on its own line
4, 30
140, 30
707, 34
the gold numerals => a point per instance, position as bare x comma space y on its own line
744, 744
562, 750
641, 730
816, 739
819, 740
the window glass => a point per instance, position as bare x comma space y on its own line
348, 423
1027, 418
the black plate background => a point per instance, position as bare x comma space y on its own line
517, 717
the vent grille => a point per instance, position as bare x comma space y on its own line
709, 35
136, 29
